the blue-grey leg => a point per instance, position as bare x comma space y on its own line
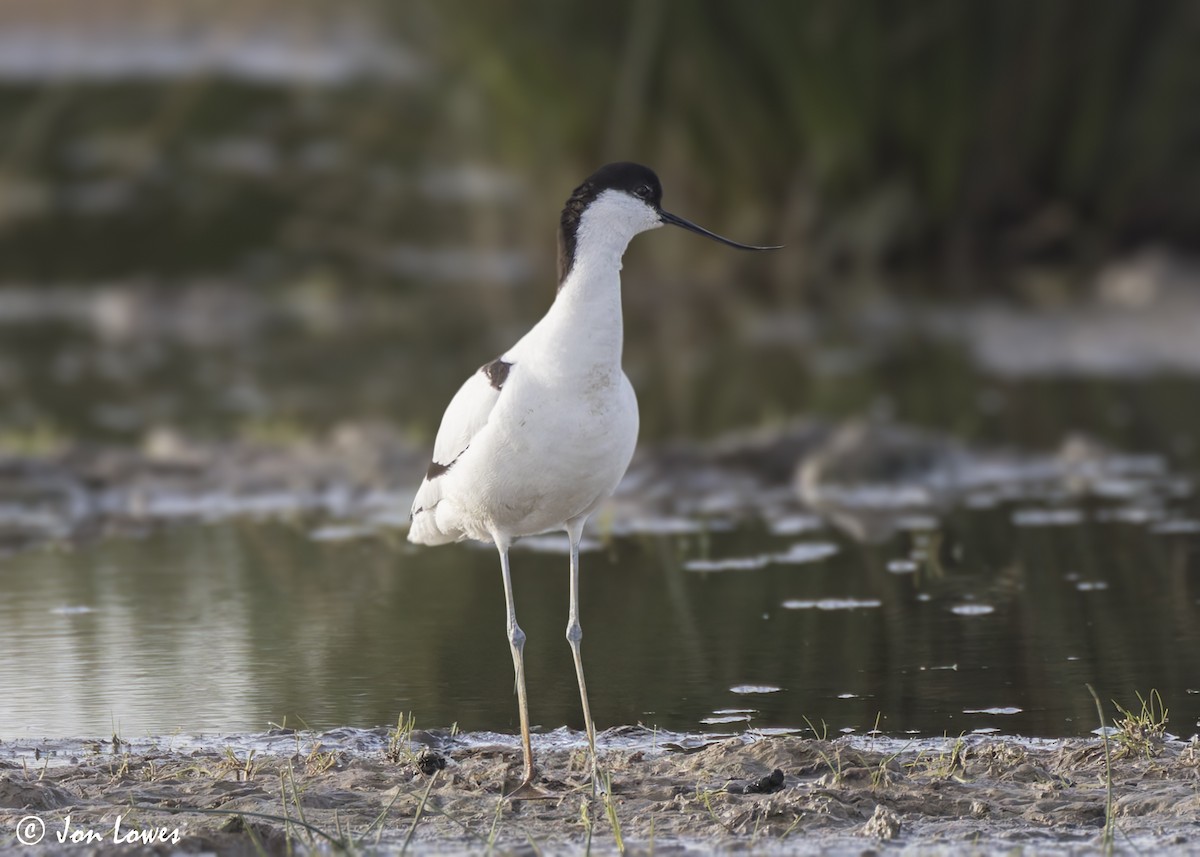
574, 636
516, 641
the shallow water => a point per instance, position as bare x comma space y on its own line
237, 625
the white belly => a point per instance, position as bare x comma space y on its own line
551, 453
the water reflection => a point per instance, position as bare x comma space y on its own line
234, 626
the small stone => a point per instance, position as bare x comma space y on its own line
430, 762
884, 824
772, 782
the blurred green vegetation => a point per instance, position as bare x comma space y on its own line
959, 141
378, 222
956, 137
171, 178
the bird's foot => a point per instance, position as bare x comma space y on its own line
528, 791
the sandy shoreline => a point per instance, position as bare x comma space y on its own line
248, 794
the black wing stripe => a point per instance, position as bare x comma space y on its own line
435, 470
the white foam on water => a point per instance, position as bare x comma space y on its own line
805, 552
725, 718
972, 609
794, 525
340, 533
1047, 517
833, 604
556, 544
745, 563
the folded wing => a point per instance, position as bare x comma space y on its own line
465, 417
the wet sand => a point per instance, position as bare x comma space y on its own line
752, 793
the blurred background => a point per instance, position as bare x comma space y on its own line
277, 209
286, 230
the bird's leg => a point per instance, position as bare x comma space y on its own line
574, 636
516, 641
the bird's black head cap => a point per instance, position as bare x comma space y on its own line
634, 179
639, 182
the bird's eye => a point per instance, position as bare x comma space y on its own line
643, 191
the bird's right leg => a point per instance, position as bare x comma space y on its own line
516, 641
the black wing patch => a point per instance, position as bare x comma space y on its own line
435, 470
497, 372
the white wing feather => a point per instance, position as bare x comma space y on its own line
466, 414
465, 417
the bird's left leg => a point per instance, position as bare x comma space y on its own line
574, 636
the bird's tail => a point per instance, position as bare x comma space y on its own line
425, 531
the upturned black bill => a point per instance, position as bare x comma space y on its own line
676, 220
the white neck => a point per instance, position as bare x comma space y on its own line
584, 330
585, 320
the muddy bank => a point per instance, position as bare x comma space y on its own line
868, 479
669, 793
